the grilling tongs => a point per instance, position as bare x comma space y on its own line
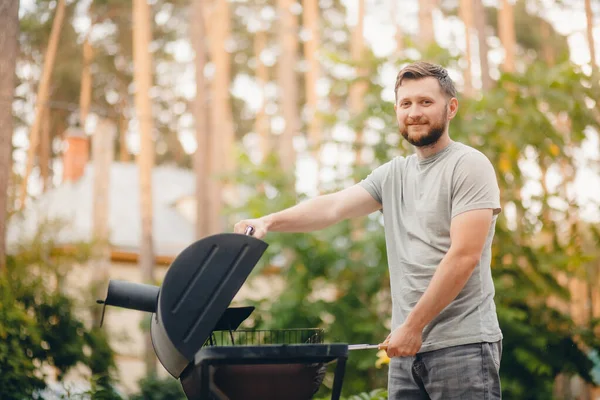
365, 346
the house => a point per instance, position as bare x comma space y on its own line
173, 230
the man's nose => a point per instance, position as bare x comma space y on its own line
415, 113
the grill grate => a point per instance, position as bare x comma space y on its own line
266, 337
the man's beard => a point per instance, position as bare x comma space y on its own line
436, 130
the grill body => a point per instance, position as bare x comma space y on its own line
195, 333
269, 372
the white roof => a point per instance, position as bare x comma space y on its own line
73, 202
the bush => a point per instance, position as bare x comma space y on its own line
152, 388
39, 326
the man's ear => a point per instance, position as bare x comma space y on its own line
452, 108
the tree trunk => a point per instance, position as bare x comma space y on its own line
222, 157
85, 96
42, 96
548, 50
426, 31
262, 77
589, 17
356, 95
313, 73
124, 155
9, 20
143, 82
288, 85
399, 35
123, 128
102, 158
202, 156
44, 153
480, 25
358, 89
506, 31
177, 153
466, 15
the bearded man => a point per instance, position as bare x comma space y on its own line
439, 207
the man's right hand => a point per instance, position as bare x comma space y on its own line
259, 225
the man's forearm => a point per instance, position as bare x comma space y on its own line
451, 276
307, 216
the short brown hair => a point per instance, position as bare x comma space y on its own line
422, 69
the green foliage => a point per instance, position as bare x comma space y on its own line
40, 325
377, 394
152, 388
18, 335
532, 249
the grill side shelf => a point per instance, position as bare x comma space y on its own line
285, 353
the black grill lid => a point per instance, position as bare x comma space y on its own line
201, 283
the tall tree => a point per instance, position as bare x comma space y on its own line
262, 78
426, 30
288, 84
589, 17
466, 15
548, 47
506, 31
85, 95
143, 105
481, 26
123, 128
202, 155
43, 95
221, 119
359, 88
313, 72
102, 158
9, 20
398, 35
45, 149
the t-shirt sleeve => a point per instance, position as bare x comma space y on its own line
373, 183
474, 185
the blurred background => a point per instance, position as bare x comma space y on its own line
130, 129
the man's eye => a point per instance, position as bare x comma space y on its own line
405, 104
426, 101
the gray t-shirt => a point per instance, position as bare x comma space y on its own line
419, 199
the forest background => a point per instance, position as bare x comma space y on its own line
270, 102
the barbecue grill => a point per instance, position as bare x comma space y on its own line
196, 337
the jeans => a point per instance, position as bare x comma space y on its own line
470, 371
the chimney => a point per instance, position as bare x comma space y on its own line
75, 155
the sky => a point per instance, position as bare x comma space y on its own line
379, 34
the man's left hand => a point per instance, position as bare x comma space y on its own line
404, 341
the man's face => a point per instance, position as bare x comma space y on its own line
422, 111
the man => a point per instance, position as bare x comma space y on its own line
439, 207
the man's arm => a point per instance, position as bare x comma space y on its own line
316, 213
468, 233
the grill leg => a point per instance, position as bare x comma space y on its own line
204, 381
338, 378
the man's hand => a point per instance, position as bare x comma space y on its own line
259, 225
404, 341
